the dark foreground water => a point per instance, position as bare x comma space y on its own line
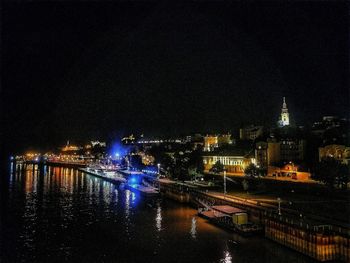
64, 215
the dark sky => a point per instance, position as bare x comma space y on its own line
95, 70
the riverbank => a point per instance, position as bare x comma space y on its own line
306, 235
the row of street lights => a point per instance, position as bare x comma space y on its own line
279, 200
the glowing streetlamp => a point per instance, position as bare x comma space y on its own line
158, 165
224, 184
279, 206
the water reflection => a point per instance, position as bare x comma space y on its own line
64, 214
227, 257
193, 227
127, 204
159, 218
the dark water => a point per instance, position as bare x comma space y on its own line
65, 215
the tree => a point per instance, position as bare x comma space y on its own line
262, 171
332, 172
136, 161
196, 160
192, 172
343, 177
218, 167
245, 185
251, 170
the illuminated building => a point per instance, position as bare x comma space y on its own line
129, 139
250, 133
146, 159
235, 160
284, 119
280, 157
289, 170
339, 152
70, 148
98, 143
211, 142
160, 141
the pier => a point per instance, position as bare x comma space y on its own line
143, 190
108, 178
118, 178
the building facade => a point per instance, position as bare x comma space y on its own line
212, 142
292, 150
234, 164
339, 152
274, 152
250, 132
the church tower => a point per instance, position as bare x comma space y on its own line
284, 121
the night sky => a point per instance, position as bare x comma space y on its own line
83, 70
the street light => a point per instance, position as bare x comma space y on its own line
224, 184
279, 206
158, 165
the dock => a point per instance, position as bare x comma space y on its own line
143, 190
109, 178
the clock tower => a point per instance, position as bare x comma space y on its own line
284, 121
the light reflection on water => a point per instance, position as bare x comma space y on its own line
193, 227
159, 218
227, 257
60, 214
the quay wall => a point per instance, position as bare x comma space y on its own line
66, 164
321, 245
173, 192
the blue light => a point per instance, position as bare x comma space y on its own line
117, 150
134, 180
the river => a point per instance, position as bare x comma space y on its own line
63, 215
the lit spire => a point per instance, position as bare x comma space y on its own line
284, 103
284, 120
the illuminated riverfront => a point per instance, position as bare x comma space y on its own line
175, 131
67, 215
